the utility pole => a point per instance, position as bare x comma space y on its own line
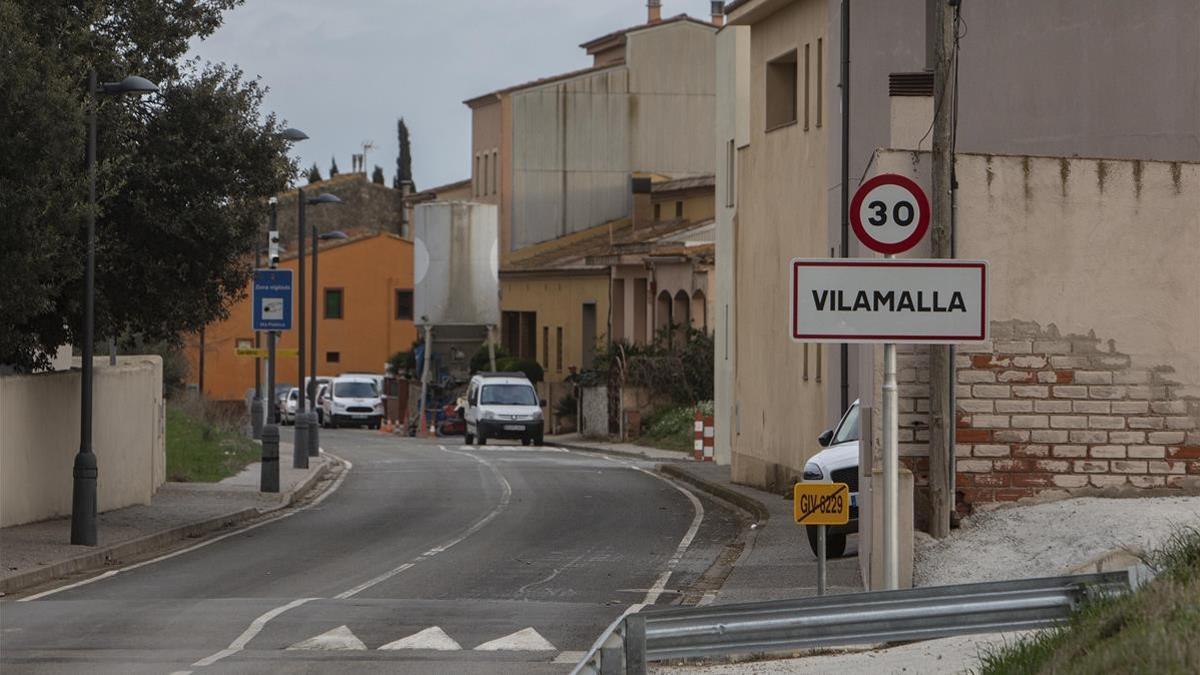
844, 352
941, 368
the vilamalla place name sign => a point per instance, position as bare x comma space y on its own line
912, 301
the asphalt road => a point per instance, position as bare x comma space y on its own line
428, 557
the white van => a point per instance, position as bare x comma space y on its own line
352, 399
503, 405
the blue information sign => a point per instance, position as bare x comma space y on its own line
272, 304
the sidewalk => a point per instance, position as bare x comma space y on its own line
776, 562
35, 553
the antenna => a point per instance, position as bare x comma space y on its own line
366, 145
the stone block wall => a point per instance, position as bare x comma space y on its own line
1039, 411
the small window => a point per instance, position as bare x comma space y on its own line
781, 91
484, 183
820, 78
818, 363
334, 303
657, 212
495, 171
478, 186
806, 362
678, 209
546, 346
807, 87
404, 304
730, 174
333, 357
558, 356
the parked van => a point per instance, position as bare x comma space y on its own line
352, 399
503, 405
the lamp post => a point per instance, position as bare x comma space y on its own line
305, 419
256, 406
314, 446
83, 494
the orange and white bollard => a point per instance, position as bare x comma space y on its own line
710, 438
698, 442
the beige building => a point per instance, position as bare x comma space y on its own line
778, 165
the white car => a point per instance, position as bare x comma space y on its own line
837, 463
287, 406
352, 399
503, 405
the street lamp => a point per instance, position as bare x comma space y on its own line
305, 419
83, 495
314, 446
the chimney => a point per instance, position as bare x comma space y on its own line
643, 209
718, 13
653, 11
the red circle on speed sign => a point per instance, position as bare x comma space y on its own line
889, 213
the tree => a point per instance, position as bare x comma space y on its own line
333, 171
314, 174
404, 159
181, 179
377, 175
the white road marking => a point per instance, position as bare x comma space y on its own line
556, 572
247, 635
431, 638
111, 573
505, 497
524, 640
340, 639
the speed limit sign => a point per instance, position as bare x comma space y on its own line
889, 213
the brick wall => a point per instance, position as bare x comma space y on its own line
1040, 411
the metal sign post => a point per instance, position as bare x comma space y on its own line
269, 475
819, 505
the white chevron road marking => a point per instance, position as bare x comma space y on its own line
431, 638
337, 640
524, 640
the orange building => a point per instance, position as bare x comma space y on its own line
365, 315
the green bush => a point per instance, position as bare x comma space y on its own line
673, 428
481, 361
532, 369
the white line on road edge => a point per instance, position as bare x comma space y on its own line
479, 524
247, 635
346, 466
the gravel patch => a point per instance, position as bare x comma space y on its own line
1047, 539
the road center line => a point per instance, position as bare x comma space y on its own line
505, 498
247, 635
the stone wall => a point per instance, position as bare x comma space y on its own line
366, 208
1038, 411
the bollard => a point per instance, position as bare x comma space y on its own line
710, 437
256, 418
314, 435
300, 449
698, 437
269, 481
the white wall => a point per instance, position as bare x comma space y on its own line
39, 437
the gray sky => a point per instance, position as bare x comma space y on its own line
344, 71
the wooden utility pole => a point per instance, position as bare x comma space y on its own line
941, 369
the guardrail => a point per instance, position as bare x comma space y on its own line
855, 618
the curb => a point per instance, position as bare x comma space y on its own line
152, 542
620, 453
745, 502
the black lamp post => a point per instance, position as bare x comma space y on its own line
83, 495
314, 445
305, 419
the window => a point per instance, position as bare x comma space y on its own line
546, 347
781, 91
354, 389
730, 174
484, 183
478, 186
678, 209
820, 78
508, 394
558, 352
807, 86
805, 362
818, 363
657, 212
333, 357
495, 171
334, 303
404, 304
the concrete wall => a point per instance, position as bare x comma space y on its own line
39, 437
558, 300
732, 123
780, 215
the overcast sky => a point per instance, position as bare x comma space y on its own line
345, 71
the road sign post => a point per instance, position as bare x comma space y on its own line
820, 505
276, 285
888, 301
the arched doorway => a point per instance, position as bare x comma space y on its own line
662, 313
699, 311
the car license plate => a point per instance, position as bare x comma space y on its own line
359, 417
514, 427
854, 500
